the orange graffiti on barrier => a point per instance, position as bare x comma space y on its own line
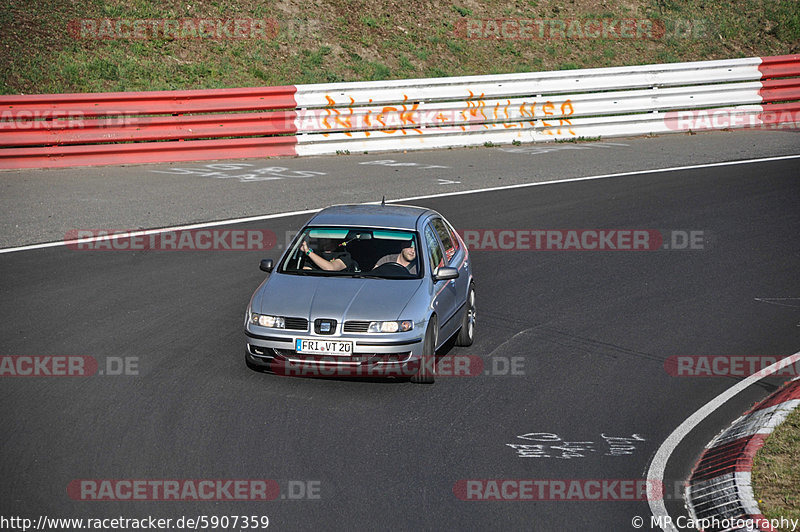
532, 110
562, 121
366, 119
505, 110
380, 119
407, 116
547, 109
325, 123
474, 106
345, 122
464, 111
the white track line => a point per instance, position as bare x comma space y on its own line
655, 474
145, 232
411, 198
604, 176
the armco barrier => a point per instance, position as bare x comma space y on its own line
120, 128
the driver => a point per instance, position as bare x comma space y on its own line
406, 258
328, 259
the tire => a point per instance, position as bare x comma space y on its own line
427, 367
467, 333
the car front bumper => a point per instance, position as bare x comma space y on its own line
274, 349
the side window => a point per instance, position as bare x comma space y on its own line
452, 235
445, 235
435, 255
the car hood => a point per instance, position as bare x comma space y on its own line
340, 298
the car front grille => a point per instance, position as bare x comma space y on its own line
356, 326
296, 324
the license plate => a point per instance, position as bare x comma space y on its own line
307, 346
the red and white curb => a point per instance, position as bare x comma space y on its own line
720, 487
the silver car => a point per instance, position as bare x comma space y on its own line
363, 290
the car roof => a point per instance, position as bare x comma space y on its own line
384, 216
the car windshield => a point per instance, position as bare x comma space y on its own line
354, 252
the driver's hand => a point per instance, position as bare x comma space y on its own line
304, 247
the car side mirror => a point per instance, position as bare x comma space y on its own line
267, 265
445, 273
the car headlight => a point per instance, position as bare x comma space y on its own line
390, 326
275, 322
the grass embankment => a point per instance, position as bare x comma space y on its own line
776, 472
320, 41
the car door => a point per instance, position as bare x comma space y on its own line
444, 292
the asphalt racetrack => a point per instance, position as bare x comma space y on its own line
589, 334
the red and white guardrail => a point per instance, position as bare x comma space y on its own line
720, 485
139, 127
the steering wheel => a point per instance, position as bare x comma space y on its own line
391, 268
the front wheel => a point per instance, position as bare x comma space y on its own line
467, 333
427, 365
